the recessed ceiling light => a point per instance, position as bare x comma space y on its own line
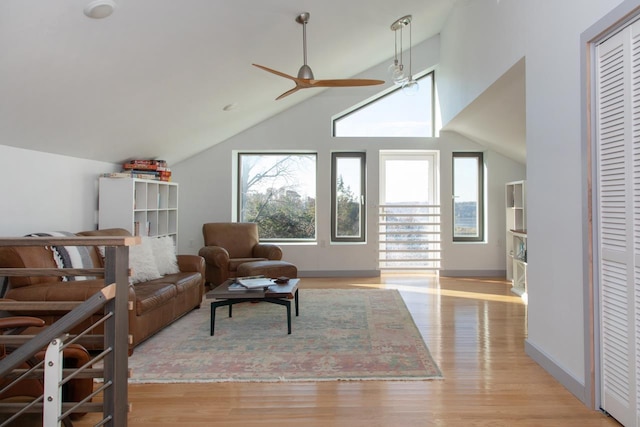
99, 9
230, 107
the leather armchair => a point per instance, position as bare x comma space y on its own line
229, 244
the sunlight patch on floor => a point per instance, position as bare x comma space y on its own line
443, 292
458, 294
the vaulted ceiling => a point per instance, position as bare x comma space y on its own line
153, 79
497, 118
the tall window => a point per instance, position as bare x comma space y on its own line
393, 114
278, 192
468, 197
348, 213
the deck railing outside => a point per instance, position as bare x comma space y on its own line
409, 237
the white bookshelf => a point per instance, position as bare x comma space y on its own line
516, 236
143, 207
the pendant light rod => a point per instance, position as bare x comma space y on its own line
410, 56
401, 44
395, 46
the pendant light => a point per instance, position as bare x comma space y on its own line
408, 83
396, 70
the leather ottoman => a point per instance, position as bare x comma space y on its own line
267, 269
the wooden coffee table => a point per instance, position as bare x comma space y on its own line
275, 294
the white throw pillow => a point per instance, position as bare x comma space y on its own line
142, 262
164, 253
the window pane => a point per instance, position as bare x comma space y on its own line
395, 114
348, 209
407, 181
278, 191
467, 196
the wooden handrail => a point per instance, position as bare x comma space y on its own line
43, 272
71, 241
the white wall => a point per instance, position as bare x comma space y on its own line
553, 157
482, 40
206, 181
47, 192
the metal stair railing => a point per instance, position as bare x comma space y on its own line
111, 301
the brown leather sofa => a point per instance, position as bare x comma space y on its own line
229, 244
156, 303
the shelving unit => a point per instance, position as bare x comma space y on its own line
144, 207
516, 237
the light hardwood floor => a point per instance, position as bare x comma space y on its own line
475, 330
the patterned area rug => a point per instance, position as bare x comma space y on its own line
339, 335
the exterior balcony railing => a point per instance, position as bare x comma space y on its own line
409, 237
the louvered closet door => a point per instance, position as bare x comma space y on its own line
618, 222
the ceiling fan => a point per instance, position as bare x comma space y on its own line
305, 77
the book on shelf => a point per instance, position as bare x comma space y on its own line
148, 162
150, 175
130, 166
117, 175
150, 169
145, 164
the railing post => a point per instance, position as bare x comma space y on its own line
52, 388
116, 367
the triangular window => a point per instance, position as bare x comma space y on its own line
392, 114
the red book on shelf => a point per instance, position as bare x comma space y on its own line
141, 166
148, 162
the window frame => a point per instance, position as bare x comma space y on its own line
363, 196
238, 192
481, 196
384, 94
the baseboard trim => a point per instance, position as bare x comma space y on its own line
376, 273
473, 273
576, 387
340, 273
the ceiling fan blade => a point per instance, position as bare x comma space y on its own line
305, 77
345, 82
289, 92
277, 73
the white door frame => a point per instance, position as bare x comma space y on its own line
612, 22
